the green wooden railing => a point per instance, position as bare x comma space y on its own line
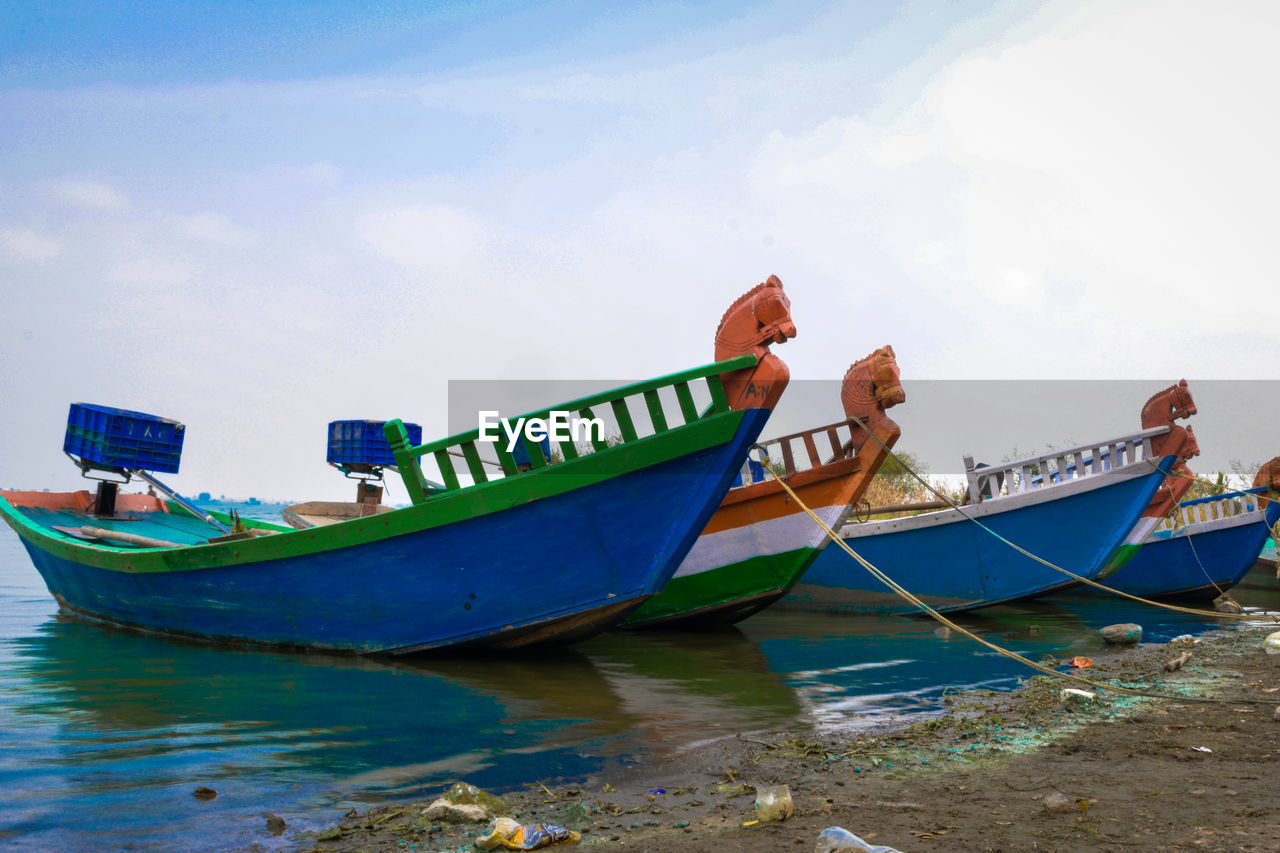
462, 447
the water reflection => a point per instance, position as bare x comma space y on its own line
104, 733
680, 687
98, 717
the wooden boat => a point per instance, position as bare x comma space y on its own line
1208, 545
316, 513
1162, 409
760, 542
1061, 507
556, 552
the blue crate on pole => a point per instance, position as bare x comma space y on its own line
105, 437
364, 443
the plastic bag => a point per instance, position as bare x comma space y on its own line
506, 833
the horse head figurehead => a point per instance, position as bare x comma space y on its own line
871, 386
1162, 410
1190, 447
758, 318
1268, 476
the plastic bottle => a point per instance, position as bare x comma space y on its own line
837, 838
774, 803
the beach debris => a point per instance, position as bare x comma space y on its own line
1226, 604
576, 815
1080, 662
1174, 664
508, 834
837, 839
464, 803
774, 803
1202, 749
733, 789
1124, 633
1184, 638
1056, 802
1275, 715
275, 824
203, 793
1272, 643
1074, 696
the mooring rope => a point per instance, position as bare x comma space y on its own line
1081, 578
1012, 655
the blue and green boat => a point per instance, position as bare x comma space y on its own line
555, 550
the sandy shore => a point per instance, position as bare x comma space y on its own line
997, 772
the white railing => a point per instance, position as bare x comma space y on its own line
1214, 509
989, 482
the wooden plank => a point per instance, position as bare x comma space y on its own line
719, 399
837, 447
788, 461
656, 415
415, 482
812, 450
474, 466
505, 459
447, 473
597, 442
688, 409
623, 416
534, 449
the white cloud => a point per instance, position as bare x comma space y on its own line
24, 245
1104, 176
150, 271
93, 195
424, 237
213, 228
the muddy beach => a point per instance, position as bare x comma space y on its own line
998, 771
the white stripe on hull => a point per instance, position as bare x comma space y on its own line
763, 538
1141, 530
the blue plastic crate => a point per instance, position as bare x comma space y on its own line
119, 438
364, 442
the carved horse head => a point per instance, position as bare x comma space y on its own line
758, 318
1268, 477
1161, 410
870, 386
1190, 447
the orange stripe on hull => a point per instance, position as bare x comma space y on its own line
837, 483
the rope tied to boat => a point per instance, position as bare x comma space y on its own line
1081, 578
1012, 655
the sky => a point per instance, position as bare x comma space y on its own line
257, 218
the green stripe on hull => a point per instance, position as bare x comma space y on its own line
726, 594
1123, 555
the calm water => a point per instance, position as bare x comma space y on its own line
104, 734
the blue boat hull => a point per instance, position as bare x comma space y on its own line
955, 565
507, 578
1203, 564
